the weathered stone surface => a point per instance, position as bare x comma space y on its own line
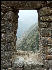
3, 37
5, 63
45, 11
46, 18
45, 32
9, 68
45, 25
47, 41
50, 62
3, 31
27, 4
49, 51
19, 62
49, 57
7, 38
4, 8
24, 4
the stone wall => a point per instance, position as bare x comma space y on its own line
8, 36
9, 20
45, 30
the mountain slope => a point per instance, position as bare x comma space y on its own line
29, 40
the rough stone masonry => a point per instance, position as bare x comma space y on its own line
9, 24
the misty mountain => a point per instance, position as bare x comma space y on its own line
29, 39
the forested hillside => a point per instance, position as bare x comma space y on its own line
29, 40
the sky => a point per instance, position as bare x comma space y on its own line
25, 20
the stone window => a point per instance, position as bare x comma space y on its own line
27, 32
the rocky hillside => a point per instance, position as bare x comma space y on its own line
29, 40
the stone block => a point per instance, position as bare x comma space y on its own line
49, 57
46, 18
9, 68
5, 64
2, 25
46, 41
9, 16
8, 25
2, 13
2, 54
46, 64
3, 31
50, 63
45, 25
10, 38
2, 22
6, 56
49, 51
9, 47
3, 37
45, 32
3, 48
17, 68
45, 11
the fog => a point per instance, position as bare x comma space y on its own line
25, 20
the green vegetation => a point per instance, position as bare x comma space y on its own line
30, 40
